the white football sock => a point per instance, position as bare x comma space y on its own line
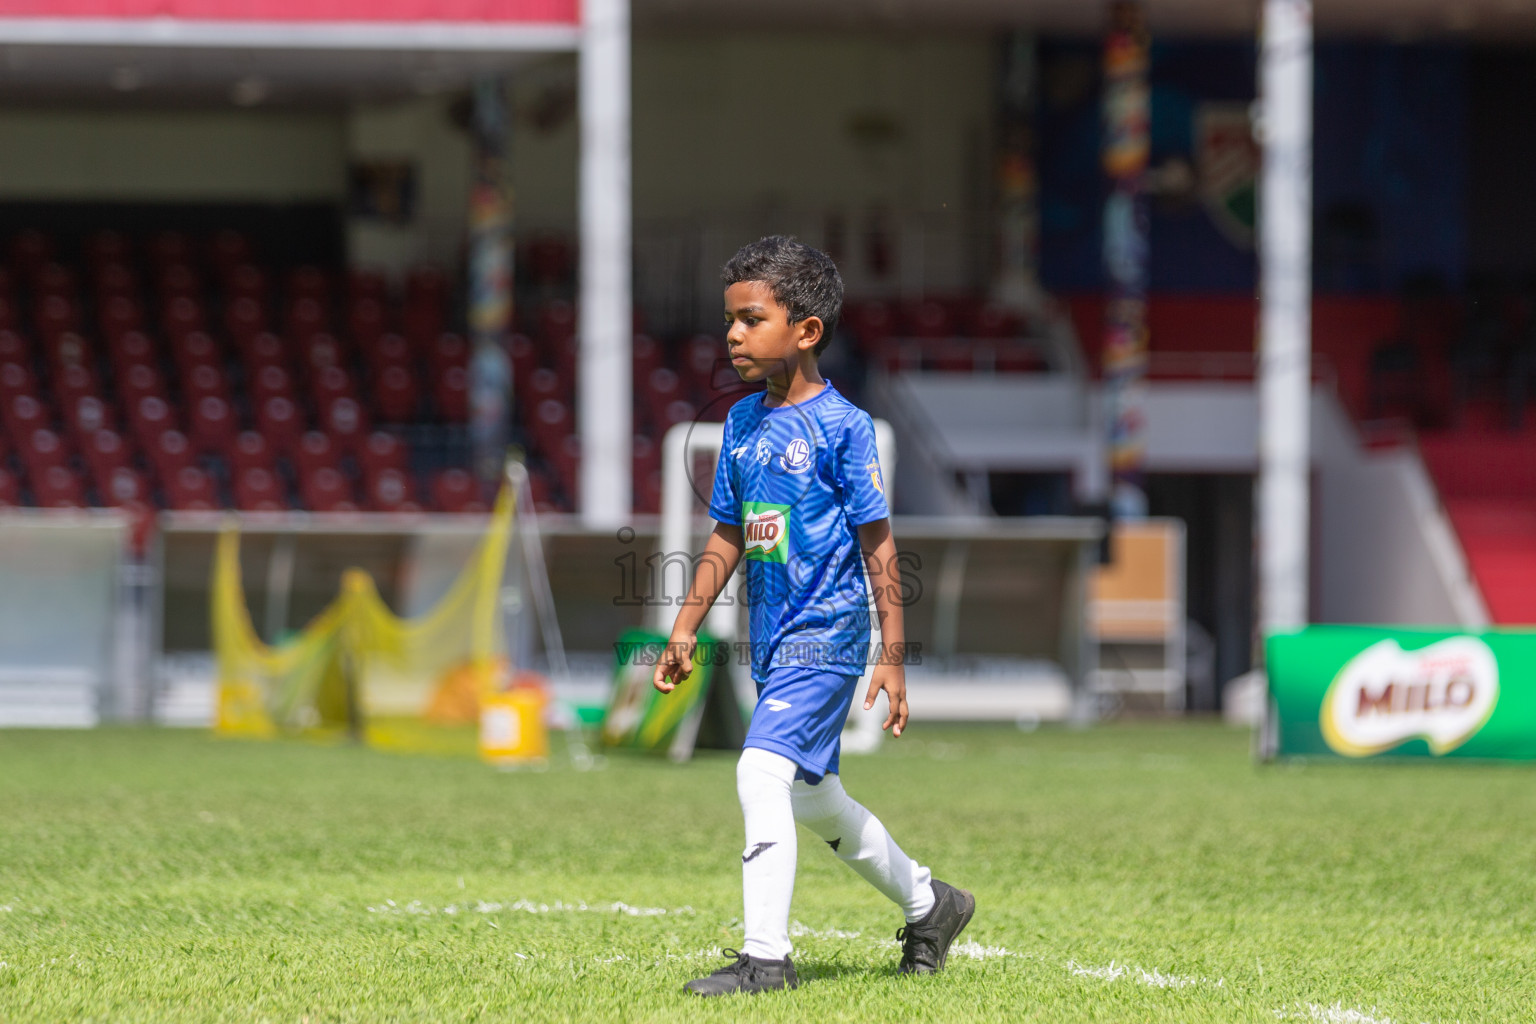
861, 842
763, 783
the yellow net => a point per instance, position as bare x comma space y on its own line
414, 684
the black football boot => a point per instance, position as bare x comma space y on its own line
925, 944
746, 974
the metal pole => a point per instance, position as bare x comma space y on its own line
1127, 145
490, 285
606, 317
1285, 312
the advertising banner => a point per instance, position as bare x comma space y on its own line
640, 717
1362, 692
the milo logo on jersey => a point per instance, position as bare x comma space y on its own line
765, 530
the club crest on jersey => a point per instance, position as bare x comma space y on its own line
765, 531
875, 477
764, 453
797, 457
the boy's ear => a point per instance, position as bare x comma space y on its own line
810, 330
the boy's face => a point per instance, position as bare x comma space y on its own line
759, 337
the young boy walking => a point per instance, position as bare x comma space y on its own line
798, 494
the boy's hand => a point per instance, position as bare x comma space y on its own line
893, 680
675, 663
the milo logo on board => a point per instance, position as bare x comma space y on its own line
1385, 695
765, 531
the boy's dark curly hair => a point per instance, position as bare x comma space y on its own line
803, 280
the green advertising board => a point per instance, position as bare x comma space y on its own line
1362, 692
639, 716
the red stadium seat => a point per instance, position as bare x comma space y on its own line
10, 489
390, 490
244, 318
170, 454
367, 284
551, 424
107, 246
150, 417
191, 489
179, 281
993, 321
872, 323
204, 382
213, 424
645, 455
246, 281
228, 249
105, 450
14, 347
344, 420
326, 490
58, 487
140, 382
54, 279
72, 383
566, 458
540, 385
121, 486
309, 282
24, 414
702, 356
30, 249
183, 315
451, 393
395, 395
86, 415
366, 321
55, 314
271, 382
556, 322
662, 389
388, 350
306, 317
648, 492
680, 411
258, 489
250, 451
278, 420
119, 314
196, 349
41, 449
523, 355
69, 349
329, 383
8, 312
321, 351
448, 350
16, 379
130, 349
454, 490
382, 451
115, 280
264, 349
646, 356
315, 452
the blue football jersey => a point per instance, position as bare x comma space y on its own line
799, 480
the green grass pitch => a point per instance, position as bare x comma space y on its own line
1138, 873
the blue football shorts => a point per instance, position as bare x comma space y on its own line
800, 714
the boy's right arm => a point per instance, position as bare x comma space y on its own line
721, 555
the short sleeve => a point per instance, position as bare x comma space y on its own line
858, 470
725, 501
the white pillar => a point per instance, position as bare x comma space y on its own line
1285, 312
604, 395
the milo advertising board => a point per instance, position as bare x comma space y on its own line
1361, 692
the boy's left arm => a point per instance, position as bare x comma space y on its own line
885, 578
